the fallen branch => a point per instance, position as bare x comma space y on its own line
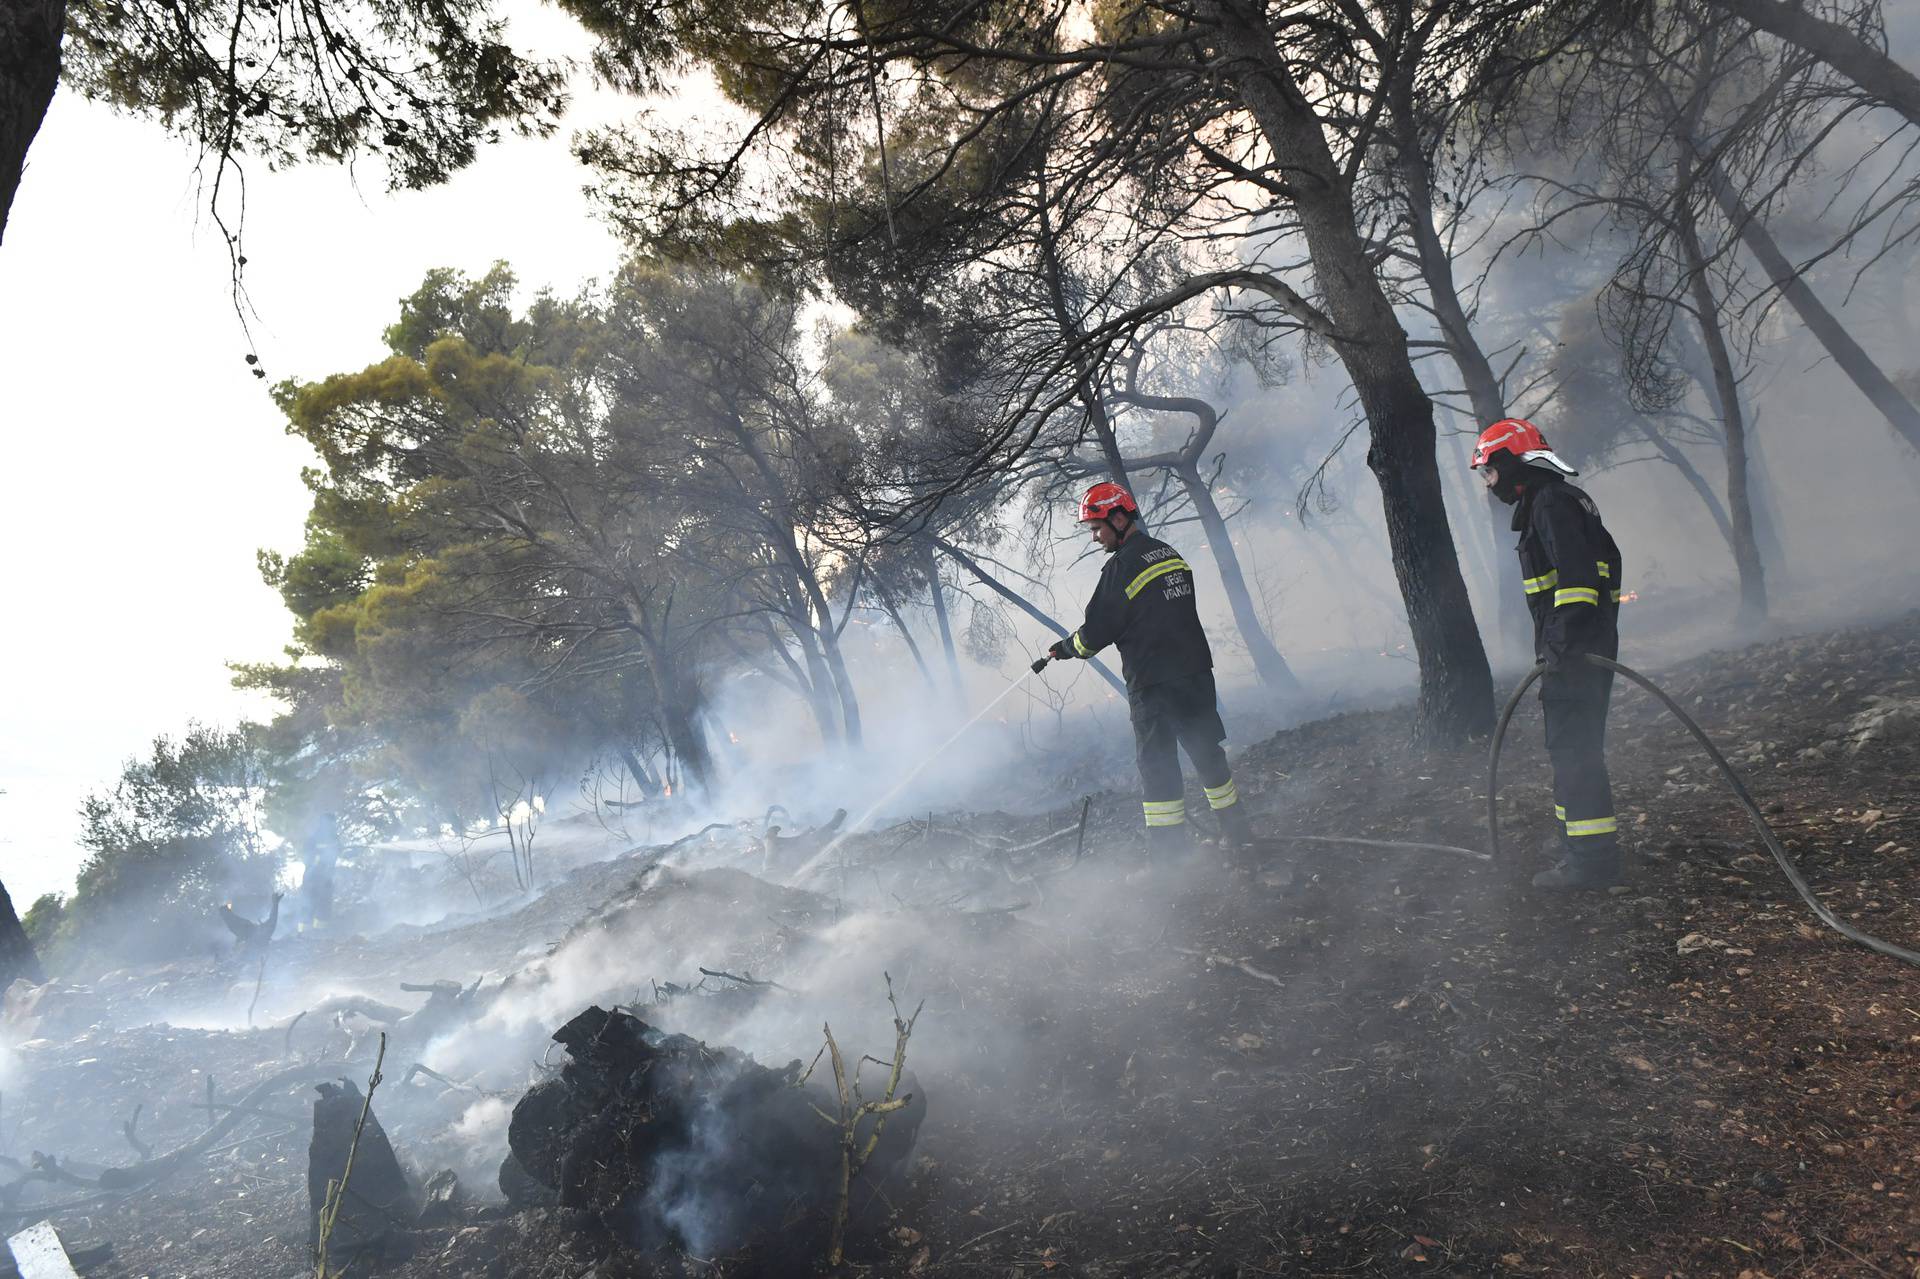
420, 1069
1062, 833
1375, 843
685, 839
150, 1169
47, 1168
854, 1153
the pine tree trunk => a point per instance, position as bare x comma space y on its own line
1846, 52
642, 775
1073, 333
677, 699
836, 662
818, 623
1691, 474
1267, 662
17, 959
1476, 371
906, 634
30, 33
1852, 358
1726, 387
938, 592
681, 720
1456, 686
818, 677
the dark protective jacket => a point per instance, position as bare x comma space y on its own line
1144, 604
1570, 567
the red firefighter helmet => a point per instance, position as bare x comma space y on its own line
1521, 438
1105, 498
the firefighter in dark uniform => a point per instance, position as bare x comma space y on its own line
1144, 605
1571, 570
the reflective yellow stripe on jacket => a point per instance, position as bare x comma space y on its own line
1550, 579
1164, 566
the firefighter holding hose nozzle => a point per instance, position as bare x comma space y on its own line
1144, 605
1571, 571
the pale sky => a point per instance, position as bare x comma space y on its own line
145, 464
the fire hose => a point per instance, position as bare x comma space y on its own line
1739, 789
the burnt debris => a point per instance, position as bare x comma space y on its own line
671, 1142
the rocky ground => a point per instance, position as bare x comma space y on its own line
1323, 1059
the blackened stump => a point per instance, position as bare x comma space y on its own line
377, 1198
673, 1143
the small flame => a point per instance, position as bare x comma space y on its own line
1628, 597
733, 737
668, 792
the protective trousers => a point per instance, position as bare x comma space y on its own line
1575, 702
1167, 716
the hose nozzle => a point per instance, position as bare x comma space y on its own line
1040, 664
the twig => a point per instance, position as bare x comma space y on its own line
1842, 1247
337, 1190
287, 1048
982, 1238
1229, 962
1062, 833
258, 981
748, 980
131, 1129
1080, 844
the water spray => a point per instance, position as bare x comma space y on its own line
860, 821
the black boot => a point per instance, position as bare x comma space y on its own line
1170, 845
1581, 874
1236, 831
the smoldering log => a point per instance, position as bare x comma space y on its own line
672, 1142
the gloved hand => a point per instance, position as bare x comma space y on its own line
1060, 650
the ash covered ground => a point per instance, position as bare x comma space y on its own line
1320, 1059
